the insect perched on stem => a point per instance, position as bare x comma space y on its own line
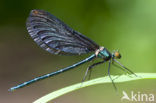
56, 37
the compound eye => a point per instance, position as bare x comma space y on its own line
117, 55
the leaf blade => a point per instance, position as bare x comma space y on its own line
106, 79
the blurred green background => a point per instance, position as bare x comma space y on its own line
127, 25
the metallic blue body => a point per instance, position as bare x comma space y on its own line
53, 73
104, 54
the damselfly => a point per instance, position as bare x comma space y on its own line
56, 37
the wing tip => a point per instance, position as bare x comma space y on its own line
37, 12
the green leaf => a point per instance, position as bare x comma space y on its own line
106, 79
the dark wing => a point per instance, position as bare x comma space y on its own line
56, 37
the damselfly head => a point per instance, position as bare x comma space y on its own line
116, 55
